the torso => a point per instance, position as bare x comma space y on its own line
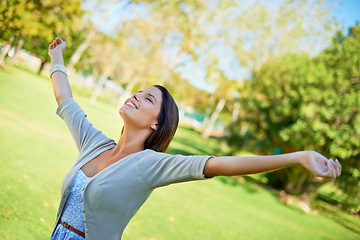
99, 163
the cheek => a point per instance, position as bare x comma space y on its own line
146, 117
150, 115
143, 118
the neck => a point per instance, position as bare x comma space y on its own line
131, 141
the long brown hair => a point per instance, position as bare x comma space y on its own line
168, 119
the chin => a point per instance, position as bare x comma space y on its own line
121, 112
124, 114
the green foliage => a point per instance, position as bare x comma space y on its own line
343, 61
39, 22
297, 103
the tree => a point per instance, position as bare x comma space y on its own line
91, 32
253, 31
18, 20
34, 24
295, 103
341, 127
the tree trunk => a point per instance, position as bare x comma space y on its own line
84, 45
208, 111
6, 49
303, 184
41, 65
99, 86
127, 92
214, 117
181, 110
94, 77
236, 111
310, 184
300, 183
17, 49
80, 50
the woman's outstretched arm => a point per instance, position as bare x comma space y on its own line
311, 160
61, 86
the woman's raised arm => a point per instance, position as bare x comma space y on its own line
61, 86
311, 160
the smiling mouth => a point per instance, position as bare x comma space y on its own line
130, 104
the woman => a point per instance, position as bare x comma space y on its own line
110, 181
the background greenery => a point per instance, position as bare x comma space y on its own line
37, 150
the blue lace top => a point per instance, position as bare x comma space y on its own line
73, 213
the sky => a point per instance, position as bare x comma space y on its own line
348, 13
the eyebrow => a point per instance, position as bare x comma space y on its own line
148, 94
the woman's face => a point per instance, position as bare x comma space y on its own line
142, 109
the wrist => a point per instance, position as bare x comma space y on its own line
57, 58
58, 68
302, 157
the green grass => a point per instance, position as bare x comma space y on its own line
37, 150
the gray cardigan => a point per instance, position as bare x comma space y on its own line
113, 196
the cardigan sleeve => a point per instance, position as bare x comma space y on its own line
160, 169
82, 131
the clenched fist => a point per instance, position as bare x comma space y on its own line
57, 46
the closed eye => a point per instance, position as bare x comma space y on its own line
149, 95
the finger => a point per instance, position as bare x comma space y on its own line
336, 168
338, 165
334, 171
330, 171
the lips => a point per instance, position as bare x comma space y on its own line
131, 104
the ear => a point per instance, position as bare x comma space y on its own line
154, 126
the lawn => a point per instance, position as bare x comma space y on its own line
37, 150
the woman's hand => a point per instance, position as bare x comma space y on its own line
320, 165
57, 46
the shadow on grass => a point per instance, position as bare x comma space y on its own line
248, 185
172, 150
330, 211
24, 67
193, 144
192, 138
8, 69
193, 130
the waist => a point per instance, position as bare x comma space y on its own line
67, 226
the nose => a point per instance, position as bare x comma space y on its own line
136, 96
